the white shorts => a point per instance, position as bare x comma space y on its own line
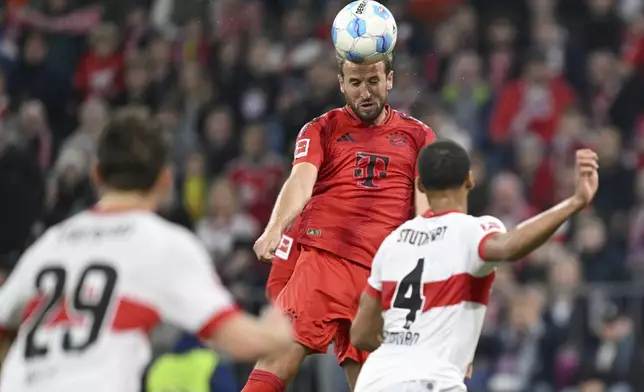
420, 386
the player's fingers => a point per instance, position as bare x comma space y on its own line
586, 153
258, 251
582, 162
587, 171
589, 163
268, 253
267, 257
585, 157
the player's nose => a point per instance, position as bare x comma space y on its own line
365, 93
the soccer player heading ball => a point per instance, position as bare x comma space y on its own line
352, 183
423, 309
85, 296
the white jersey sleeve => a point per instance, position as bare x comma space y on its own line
485, 228
190, 293
374, 283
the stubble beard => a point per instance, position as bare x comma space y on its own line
371, 115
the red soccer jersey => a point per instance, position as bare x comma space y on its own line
365, 185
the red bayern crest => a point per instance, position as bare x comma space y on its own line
397, 138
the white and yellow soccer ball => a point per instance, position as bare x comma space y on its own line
364, 32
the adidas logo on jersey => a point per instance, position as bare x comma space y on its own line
346, 138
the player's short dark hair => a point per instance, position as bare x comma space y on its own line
132, 151
389, 64
443, 165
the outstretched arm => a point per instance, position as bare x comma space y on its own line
366, 329
534, 232
247, 338
295, 193
297, 190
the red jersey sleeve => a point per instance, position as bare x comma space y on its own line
309, 145
429, 138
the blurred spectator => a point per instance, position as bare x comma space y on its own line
137, 29
521, 342
445, 125
603, 28
137, 90
33, 78
195, 92
534, 103
21, 197
617, 175
93, 116
507, 201
536, 169
70, 190
611, 356
499, 51
100, 72
193, 185
468, 95
407, 86
218, 139
162, 72
257, 174
191, 45
224, 222
32, 131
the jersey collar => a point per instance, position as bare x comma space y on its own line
430, 214
355, 120
103, 210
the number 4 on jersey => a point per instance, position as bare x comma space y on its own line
409, 293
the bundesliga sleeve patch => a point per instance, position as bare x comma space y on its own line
302, 148
490, 226
284, 248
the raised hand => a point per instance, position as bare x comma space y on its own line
586, 177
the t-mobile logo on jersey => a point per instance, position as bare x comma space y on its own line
369, 167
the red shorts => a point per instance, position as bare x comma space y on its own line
322, 298
281, 271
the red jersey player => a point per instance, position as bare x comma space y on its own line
354, 170
283, 263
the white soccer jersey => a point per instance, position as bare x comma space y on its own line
85, 296
434, 288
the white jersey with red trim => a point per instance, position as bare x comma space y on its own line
434, 288
85, 296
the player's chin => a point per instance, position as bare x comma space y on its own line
369, 112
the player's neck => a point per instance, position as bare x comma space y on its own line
441, 202
119, 201
381, 117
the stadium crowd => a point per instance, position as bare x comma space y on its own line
521, 84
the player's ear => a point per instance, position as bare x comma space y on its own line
469, 181
341, 82
165, 181
419, 185
390, 80
95, 176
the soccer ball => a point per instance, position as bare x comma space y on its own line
364, 32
